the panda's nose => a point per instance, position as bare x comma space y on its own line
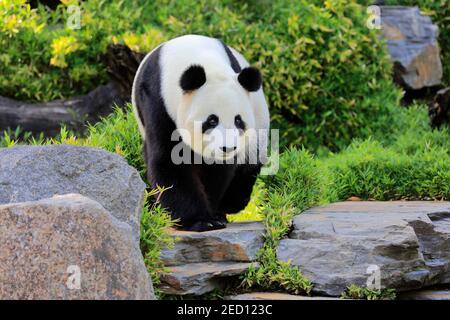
228, 149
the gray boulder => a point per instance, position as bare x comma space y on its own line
413, 46
68, 247
406, 243
29, 173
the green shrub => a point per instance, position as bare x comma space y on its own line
439, 11
43, 59
412, 133
356, 292
155, 222
370, 171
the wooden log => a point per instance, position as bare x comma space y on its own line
47, 117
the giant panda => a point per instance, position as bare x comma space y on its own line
205, 93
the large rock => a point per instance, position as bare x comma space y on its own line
345, 243
68, 247
238, 242
413, 46
29, 173
203, 261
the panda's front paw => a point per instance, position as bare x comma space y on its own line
201, 226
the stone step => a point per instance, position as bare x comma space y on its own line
404, 245
199, 278
426, 295
237, 242
274, 296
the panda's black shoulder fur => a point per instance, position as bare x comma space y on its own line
233, 61
194, 196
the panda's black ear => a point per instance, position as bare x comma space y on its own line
250, 78
193, 78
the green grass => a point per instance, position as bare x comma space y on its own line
296, 187
356, 292
155, 222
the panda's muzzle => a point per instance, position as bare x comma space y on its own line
228, 149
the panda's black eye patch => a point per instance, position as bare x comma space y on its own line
239, 123
211, 122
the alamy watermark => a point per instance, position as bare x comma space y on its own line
374, 280
74, 17
374, 19
73, 281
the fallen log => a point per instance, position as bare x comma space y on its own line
47, 117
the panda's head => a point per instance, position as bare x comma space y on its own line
216, 112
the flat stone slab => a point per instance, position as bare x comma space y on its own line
274, 296
199, 278
238, 242
426, 295
406, 243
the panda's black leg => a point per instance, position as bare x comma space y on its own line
240, 189
184, 199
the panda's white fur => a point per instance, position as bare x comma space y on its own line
222, 95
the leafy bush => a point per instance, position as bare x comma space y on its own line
327, 76
356, 292
155, 222
370, 171
439, 11
42, 58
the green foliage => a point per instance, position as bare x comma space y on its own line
412, 134
42, 58
155, 222
439, 11
327, 76
413, 163
356, 292
296, 187
370, 171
